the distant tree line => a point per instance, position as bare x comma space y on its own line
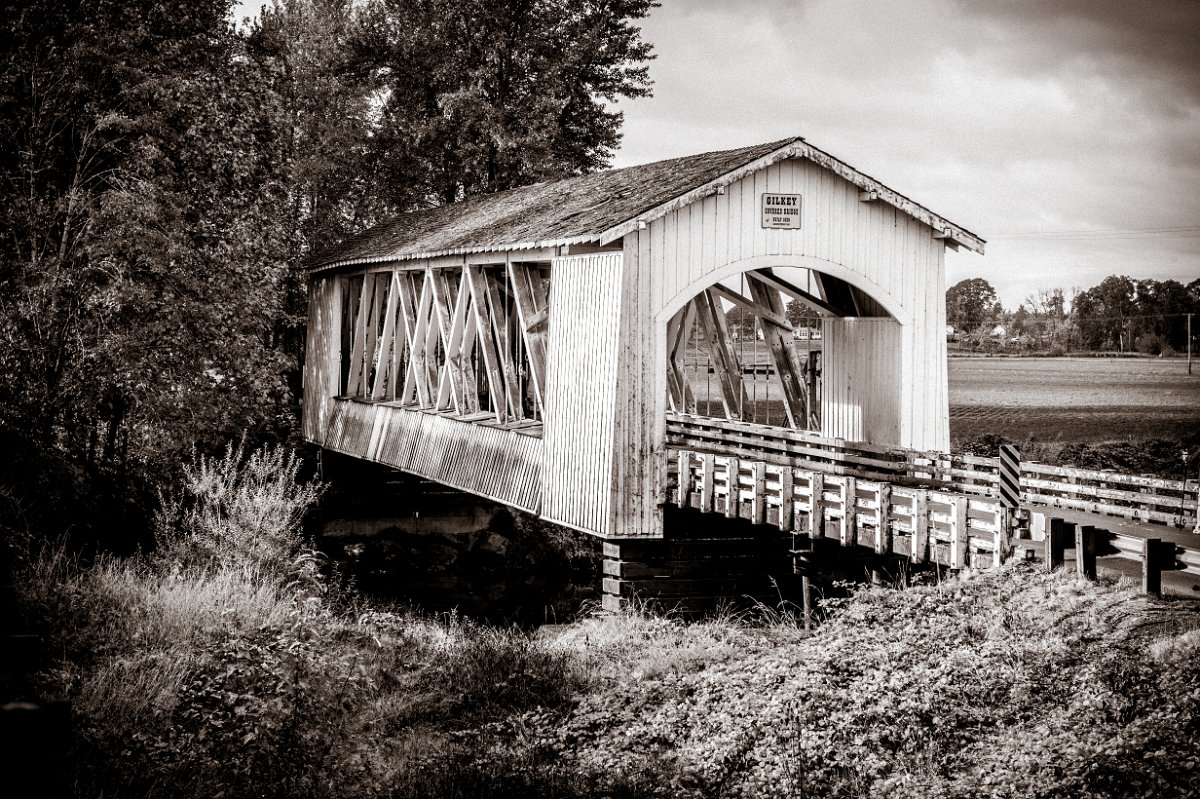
163, 173
1119, 314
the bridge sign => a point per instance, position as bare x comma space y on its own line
781, 211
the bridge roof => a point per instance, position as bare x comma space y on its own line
596, 208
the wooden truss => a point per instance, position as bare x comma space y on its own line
702, 324
469, 340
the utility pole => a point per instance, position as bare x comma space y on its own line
1189, 344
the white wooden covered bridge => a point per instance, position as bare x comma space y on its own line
546, 346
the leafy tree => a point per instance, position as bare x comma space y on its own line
305, 48
142, 262
742, 323
1163, 308
1102, 313
481, 97
970, 303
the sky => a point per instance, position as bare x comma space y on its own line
1064, 132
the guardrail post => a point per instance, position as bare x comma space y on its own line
1003, 540
960, 540
816, 517
733, 484
758, 494
849, 532
1057, 533
1085, 550
802, 557
1008, 475
883, 531
1152, 566
787, 506
920, 533
1196, 529
707, 470
683, 480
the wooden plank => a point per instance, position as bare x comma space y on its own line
485, 338
508, 371
779, 343
753, 305
354, 384
529, 295
768, 278
682, 397
729, 373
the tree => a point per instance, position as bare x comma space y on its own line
305, 48
481, 97
1102, 313
142, 258
970, 303
743, 324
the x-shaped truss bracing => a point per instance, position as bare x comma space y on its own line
470, 340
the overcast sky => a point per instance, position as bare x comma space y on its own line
1060, 131
1065, 132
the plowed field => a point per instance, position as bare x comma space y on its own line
1082, 400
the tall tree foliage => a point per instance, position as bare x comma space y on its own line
141, 262
481, 97
970, 303
307, 51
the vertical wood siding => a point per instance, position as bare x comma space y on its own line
861, 383
322, 355
581, 364
499, 464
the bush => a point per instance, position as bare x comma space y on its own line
240, 510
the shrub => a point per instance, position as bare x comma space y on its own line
242, 510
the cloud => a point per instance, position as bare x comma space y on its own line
1004, 117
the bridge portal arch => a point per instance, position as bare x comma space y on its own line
786, 341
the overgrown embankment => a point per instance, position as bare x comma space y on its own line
223, 666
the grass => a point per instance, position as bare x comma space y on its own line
200, 671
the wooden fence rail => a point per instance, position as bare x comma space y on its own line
1141, 498
925, 525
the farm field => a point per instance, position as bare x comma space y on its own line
1073, 400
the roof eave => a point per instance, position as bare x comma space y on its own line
392, 257
953, 234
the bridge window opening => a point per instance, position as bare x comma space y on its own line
469, 341
749, 349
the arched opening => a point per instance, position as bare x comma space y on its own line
750, 346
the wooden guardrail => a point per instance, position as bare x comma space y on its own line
925, 525
1150, 499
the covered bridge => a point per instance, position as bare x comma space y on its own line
543, 346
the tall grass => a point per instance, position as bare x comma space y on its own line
225, 665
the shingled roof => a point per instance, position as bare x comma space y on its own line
595, 208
